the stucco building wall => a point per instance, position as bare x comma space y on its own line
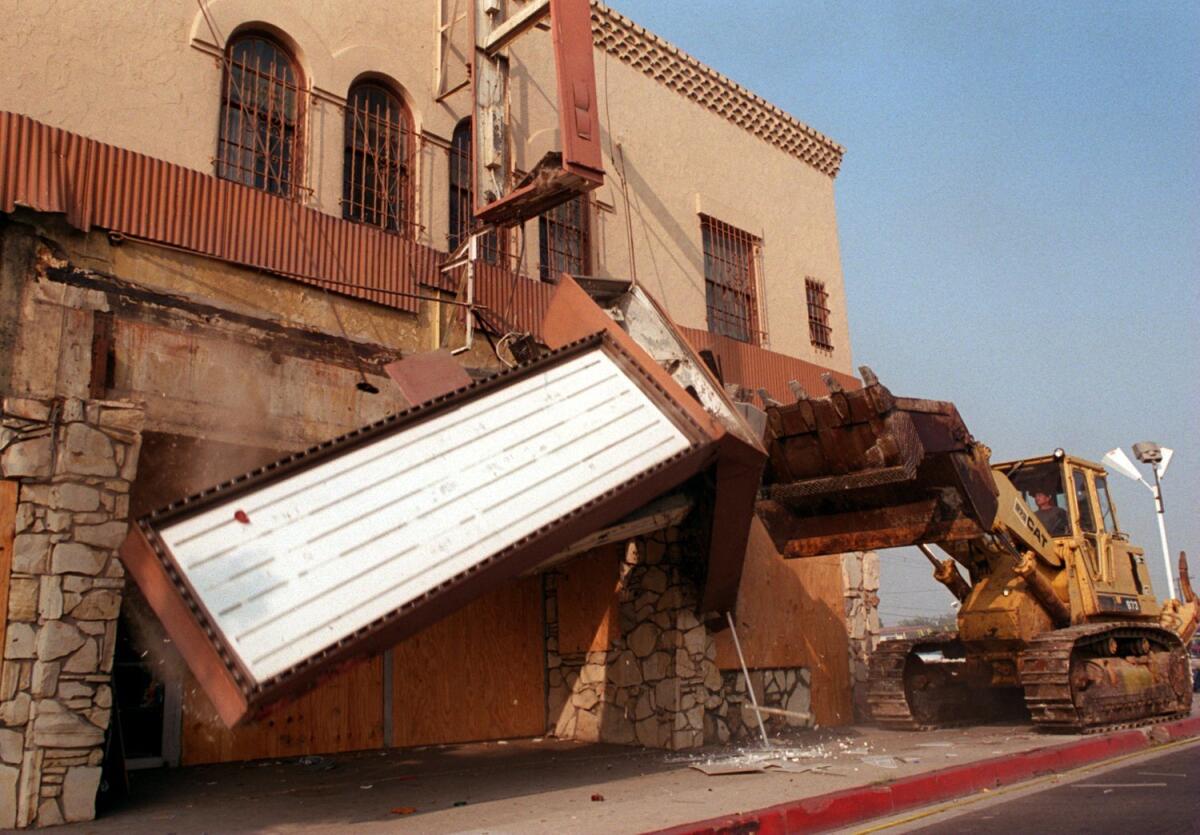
149, 80
231, 367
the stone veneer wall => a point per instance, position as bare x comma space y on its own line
658, 684
74, 462
788, 688
653, 684
860, 576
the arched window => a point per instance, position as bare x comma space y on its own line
376, 176
462, 198
460, 184
262, 116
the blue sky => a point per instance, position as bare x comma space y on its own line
1019, 214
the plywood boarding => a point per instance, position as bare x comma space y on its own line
343, 713
790, 613
8, 522
293, 567
587, 600
477, 674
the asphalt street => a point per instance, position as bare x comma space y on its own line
1156, 793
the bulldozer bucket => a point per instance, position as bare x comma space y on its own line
863, 469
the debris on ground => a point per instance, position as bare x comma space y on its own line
597, 797
882, 762
795, 766
318, 763
718, 769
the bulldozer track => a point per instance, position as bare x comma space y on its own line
1053, 696
891, 694
1050, 675
885, 687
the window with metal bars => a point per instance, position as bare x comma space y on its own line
730, 277
564, 239
261, 135
462, 198
376, 175
818, 314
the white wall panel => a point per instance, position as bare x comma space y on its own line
330, 549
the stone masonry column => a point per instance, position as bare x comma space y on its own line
73, 462
652, 685
860, 576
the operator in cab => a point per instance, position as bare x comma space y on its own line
1053, 518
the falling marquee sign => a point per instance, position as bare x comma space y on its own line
270, 581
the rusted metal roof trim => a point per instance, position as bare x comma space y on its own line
98, 185
229, 684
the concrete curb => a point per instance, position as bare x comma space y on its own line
842, 808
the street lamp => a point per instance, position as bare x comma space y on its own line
1158, 457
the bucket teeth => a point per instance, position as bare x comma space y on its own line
767, 400
798, 391
868, 376
830, 383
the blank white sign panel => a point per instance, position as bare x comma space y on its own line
290, 569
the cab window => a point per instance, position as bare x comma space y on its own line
1041, 487
1108, 513
1083, 500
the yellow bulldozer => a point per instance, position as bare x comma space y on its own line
1056, 613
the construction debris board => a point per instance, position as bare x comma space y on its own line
330, 554
631, 317
297, 566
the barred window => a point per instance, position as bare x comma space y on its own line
563, 239
376, 174
818, 314
730, 277
462, 198
261, 136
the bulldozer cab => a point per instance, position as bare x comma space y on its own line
1070, 497
1040, 483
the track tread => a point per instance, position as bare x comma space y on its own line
1045, 673
886, 693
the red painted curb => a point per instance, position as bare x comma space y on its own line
842, 808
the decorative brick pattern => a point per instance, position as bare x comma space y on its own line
668, 64
74, 462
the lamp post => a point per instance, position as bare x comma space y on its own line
1158, 457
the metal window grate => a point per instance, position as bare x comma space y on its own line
818, 314
563, 239
376, 175
462, 199
730, 276
262, 118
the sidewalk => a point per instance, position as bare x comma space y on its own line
549, 786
